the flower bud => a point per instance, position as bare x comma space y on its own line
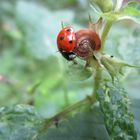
104, 5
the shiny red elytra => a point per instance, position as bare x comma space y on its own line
66, 40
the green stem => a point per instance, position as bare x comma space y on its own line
105, 33
57, 117
97, 72
97, 80
98, 75
65, 90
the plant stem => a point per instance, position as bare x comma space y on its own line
97, 80
105, 33
98, 75
57, 117
65, 90
97, 72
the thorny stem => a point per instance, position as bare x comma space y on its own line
67, 110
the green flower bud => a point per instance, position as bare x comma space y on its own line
104, 5
114, 66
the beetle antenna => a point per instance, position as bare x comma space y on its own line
62, 24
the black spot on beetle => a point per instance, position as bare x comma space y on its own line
68, 30
111, 56
62, 38
70, 41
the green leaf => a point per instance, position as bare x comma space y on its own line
136, 110
131, 11
20, 122
132, 8
115, 105
104, 5
114, 66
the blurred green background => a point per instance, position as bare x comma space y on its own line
31, 69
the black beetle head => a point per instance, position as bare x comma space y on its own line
68, 55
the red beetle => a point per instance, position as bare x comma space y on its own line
66, 42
